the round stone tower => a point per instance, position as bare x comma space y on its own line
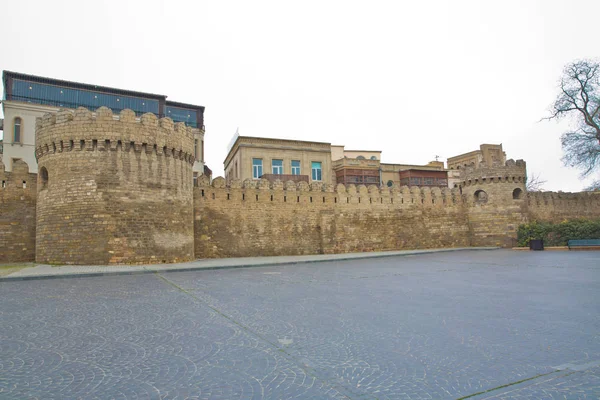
113, 189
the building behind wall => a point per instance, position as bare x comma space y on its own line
27, 97
278, 159
488, 155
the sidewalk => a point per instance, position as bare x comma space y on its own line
43, 271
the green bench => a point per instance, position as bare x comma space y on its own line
583, 243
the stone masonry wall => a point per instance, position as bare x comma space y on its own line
495, 201
557, 207
259, 219
17, 213
118, 189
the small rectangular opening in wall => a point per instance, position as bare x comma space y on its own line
256, 197
323, 199
202, 192
359, 199
432, 201
422, 201
311, 199
81, 144
227, 196
213, 196
243, 196
271, 197
284, 199
298, 199
24, 185
335, 199
347, 199
3, 184
370, 200
94, 144
382, 200
392, 200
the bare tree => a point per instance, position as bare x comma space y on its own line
579, 98
594, 186
534, 183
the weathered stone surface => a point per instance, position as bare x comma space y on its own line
17, 213
119, 191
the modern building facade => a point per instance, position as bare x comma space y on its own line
272, 159
27, 97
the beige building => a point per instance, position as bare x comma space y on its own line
255, 158
28, 97
488, 154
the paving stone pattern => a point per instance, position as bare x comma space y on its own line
497, 325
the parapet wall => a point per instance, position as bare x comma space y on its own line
259, 218
113, 189
17, 213
557, 207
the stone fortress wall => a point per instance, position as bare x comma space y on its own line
113, 189
118, 189
18, 194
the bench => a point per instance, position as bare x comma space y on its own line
584, 244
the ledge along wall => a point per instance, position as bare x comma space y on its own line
117, 189
17, 213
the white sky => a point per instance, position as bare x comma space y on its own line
415, 79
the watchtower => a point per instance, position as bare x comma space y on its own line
113, 188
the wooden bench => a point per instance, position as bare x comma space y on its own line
584, 244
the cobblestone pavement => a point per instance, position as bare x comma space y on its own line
477, 324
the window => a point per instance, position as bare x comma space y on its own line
295, 167
373, 158
428, 181
316, 171
390, 183
415, 181
17, 130
196, 149
256, 168
43, 177
360, 158
277, 167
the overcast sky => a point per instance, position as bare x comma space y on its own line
414, 79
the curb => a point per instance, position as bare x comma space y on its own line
156, 270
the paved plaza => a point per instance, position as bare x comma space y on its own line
495, 324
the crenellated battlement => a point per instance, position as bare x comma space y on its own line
512, 172
262, 190
83, 130
113, 188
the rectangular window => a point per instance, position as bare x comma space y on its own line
415, 181
196, 149
428, 181
316, 171
277, 167
295, 167
17, 131
256, 168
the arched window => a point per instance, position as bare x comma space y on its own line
360, 158
373, 158
43, 178
517, 194
480, 196
17, 126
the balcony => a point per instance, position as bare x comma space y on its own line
285, 178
